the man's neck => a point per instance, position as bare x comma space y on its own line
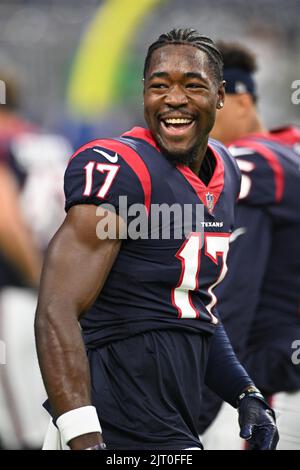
195, 165
253, 126
256, 126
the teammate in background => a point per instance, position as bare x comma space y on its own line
145, 304
260, 297
20, 266
30, 167
20, 258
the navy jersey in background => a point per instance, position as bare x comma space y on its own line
259, 301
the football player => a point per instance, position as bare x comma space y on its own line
146, 303
259, 299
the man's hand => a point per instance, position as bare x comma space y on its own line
257, 423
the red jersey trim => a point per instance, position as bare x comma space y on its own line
273, 161
283, 135
286, 135
89, 145
131, 158
215, 186
143, 134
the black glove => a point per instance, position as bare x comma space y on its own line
257, 422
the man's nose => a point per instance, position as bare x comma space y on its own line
176, 97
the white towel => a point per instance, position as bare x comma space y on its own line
53, 439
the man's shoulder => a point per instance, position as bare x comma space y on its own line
141, 136
227, 158
130, 147
105, 169
218, 146
259, 160
222, 151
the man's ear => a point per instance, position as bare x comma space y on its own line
221, 94
143, 83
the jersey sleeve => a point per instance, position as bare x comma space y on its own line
234, 378
262, 175
98, 174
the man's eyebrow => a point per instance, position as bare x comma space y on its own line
195, 75
159, 75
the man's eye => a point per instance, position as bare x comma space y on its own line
158, 85
194, 85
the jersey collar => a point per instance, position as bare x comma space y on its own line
143, 134
209, 194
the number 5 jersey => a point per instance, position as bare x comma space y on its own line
260, 300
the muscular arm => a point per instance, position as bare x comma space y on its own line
16, 240
76, 267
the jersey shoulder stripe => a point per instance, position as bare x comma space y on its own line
132, 158
142, 134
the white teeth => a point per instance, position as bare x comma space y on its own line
178, 121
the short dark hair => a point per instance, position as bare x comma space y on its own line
236, 55
239, 66
189, 37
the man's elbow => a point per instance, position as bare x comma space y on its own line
53, 315
45, 317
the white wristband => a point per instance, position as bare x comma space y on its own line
76, 422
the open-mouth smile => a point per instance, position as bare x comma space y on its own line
177, 126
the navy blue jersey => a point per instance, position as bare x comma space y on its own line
156, 282
260, 298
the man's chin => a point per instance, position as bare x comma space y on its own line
176, 157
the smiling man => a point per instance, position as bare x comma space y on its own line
146, 304
180, 102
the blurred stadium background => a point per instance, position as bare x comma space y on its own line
79, 64
87, 56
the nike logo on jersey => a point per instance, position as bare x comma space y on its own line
237, 233
108, 157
